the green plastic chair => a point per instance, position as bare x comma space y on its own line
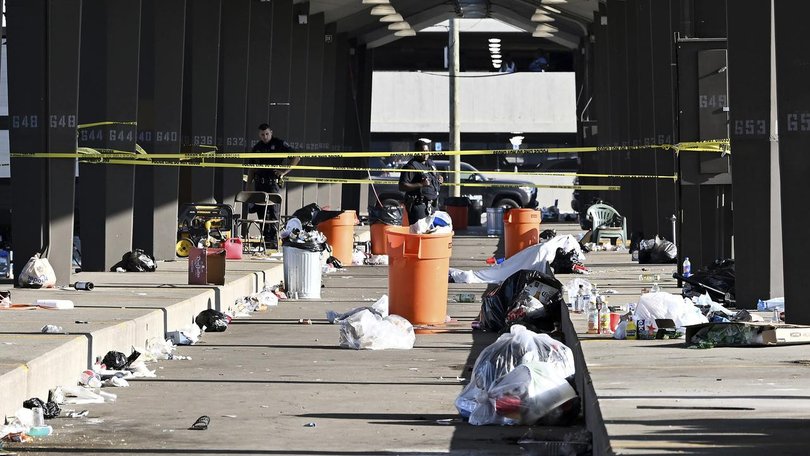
605, 221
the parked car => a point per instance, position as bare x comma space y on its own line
505, 193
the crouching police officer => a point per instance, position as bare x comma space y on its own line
421, 186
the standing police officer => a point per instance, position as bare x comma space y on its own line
267, 179
421, 186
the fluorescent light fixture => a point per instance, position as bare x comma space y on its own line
541, 16
547, 28
496, 65
399, 26
553, 2
537, 34
496, 56
375, 2
382, 10
409, 32
494, 45
392, 18
552, 9
494, 40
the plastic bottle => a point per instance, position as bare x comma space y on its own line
593, 317
687, 267
604, 319
631, 329
579, 302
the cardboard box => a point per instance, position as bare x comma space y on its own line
753, 333
206, 266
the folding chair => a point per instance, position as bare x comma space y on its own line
607, 223
242, 226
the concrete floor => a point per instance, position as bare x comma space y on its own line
268, 376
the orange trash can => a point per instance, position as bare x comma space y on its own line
378, 238
521, 228
418, 265
339, 232
458, 208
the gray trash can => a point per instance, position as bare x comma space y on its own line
302, 273
494, 221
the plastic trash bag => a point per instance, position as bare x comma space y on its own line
307, 214
50, 409
37, 273
116, 360
212, 320
657, 251
719, 275
518, 346
523, 396
388, 215
366, 330
662, 305
186, 336
311, 241
136, 261
380, 307
498, 300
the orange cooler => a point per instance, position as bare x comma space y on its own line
521, 229
417, 274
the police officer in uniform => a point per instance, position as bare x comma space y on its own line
267, 179
421, 184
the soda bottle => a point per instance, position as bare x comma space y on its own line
579, 302
687, 267
593, 317
631, 329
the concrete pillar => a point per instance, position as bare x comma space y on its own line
314, 107
281, 67
27, 72
64, 31
258, 103
233, 95
160, 107
299, 194
619, 105
793, 102
109, 71
329, 192
200, 93
749, 36
358, 109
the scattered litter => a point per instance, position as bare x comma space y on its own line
310, 424
75, 414
302, 321
81, 322
117, 360
59, 304
80, 395
116, 382
229, 416
201, 424
52, 329
211, 320
186, 336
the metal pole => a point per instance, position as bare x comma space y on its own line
455, 121
777, 279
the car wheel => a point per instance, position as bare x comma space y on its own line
506, 204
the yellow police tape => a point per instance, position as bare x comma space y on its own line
101, 124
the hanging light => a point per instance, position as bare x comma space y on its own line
409, 32
375, 2
496, 56
392, 18
399, 26
541, 16
547, 28
553, 2
495, 40
382, 10
537, 34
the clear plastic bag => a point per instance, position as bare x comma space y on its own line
519, 346
523, 396
366, 330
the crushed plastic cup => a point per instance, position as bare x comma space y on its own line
90, 378
39, 416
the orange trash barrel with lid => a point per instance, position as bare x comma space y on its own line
417, 274
521, 228
339, 232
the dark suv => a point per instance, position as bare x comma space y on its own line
497, 192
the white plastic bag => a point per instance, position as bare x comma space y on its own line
523, 396
519, 346
652, 306
37, 273
380, 308
366, 330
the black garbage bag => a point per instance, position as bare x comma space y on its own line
563, 261
307, 214
501, 304
334, 262
657, 251
136, 261
388, 214
50, 409
548, 234
212, 320
718, 276
116, 360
